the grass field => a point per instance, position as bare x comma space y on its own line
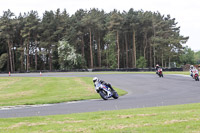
44, 90
164, 119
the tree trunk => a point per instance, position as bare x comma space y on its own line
154, 56
118, 50
10, 56
91, 54
162, 59
50, 59
13, 56
27, 60
36, 63
134, 50
126, 45
150, 56
82, 46
107, 56
123, 63
145, 44
22, 57
99, 51
8, 60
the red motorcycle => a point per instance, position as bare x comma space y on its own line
196, 75
159, 72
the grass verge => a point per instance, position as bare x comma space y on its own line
44, 90
176, 119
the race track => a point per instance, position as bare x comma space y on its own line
144, 90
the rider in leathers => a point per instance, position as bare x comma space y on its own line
191, 70
95, 79
157, 67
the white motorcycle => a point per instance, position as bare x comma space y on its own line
105, 92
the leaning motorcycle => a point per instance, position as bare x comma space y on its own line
105, 92
196, 77
159, 72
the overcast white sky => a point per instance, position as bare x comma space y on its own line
186, 12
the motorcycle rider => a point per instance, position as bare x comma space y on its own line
157, 67
195, 71
191, 70
96, 80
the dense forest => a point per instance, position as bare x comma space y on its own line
89, 39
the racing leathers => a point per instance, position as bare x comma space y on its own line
104, 83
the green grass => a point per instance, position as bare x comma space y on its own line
164, 119
44, 90
177, 72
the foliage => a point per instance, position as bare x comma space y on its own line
111, 58
68, 58
3, 59
32, 42
188, 56
141, 62
197, 57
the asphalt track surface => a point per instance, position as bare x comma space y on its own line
144, 90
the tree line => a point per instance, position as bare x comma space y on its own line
88, 39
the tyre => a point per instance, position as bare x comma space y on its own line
196, 77
115, 95
103, 94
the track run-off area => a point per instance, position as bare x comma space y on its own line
144, 90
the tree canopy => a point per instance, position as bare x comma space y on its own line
96, 39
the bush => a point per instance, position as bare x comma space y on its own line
141, 62
68, 58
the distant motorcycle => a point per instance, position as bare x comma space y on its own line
105, 92
159, 72
196, 75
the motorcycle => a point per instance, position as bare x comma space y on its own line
159, 72
105, 92
196, 75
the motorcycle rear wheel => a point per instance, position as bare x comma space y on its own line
115, 95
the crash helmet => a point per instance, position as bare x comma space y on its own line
95, 79
191, 66
157, 65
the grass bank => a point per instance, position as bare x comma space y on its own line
164, 119
44, 90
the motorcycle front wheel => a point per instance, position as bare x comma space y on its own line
197, 79
103, 94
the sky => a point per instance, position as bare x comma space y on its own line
186, 12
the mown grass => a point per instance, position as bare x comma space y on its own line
44, 90
164, 119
